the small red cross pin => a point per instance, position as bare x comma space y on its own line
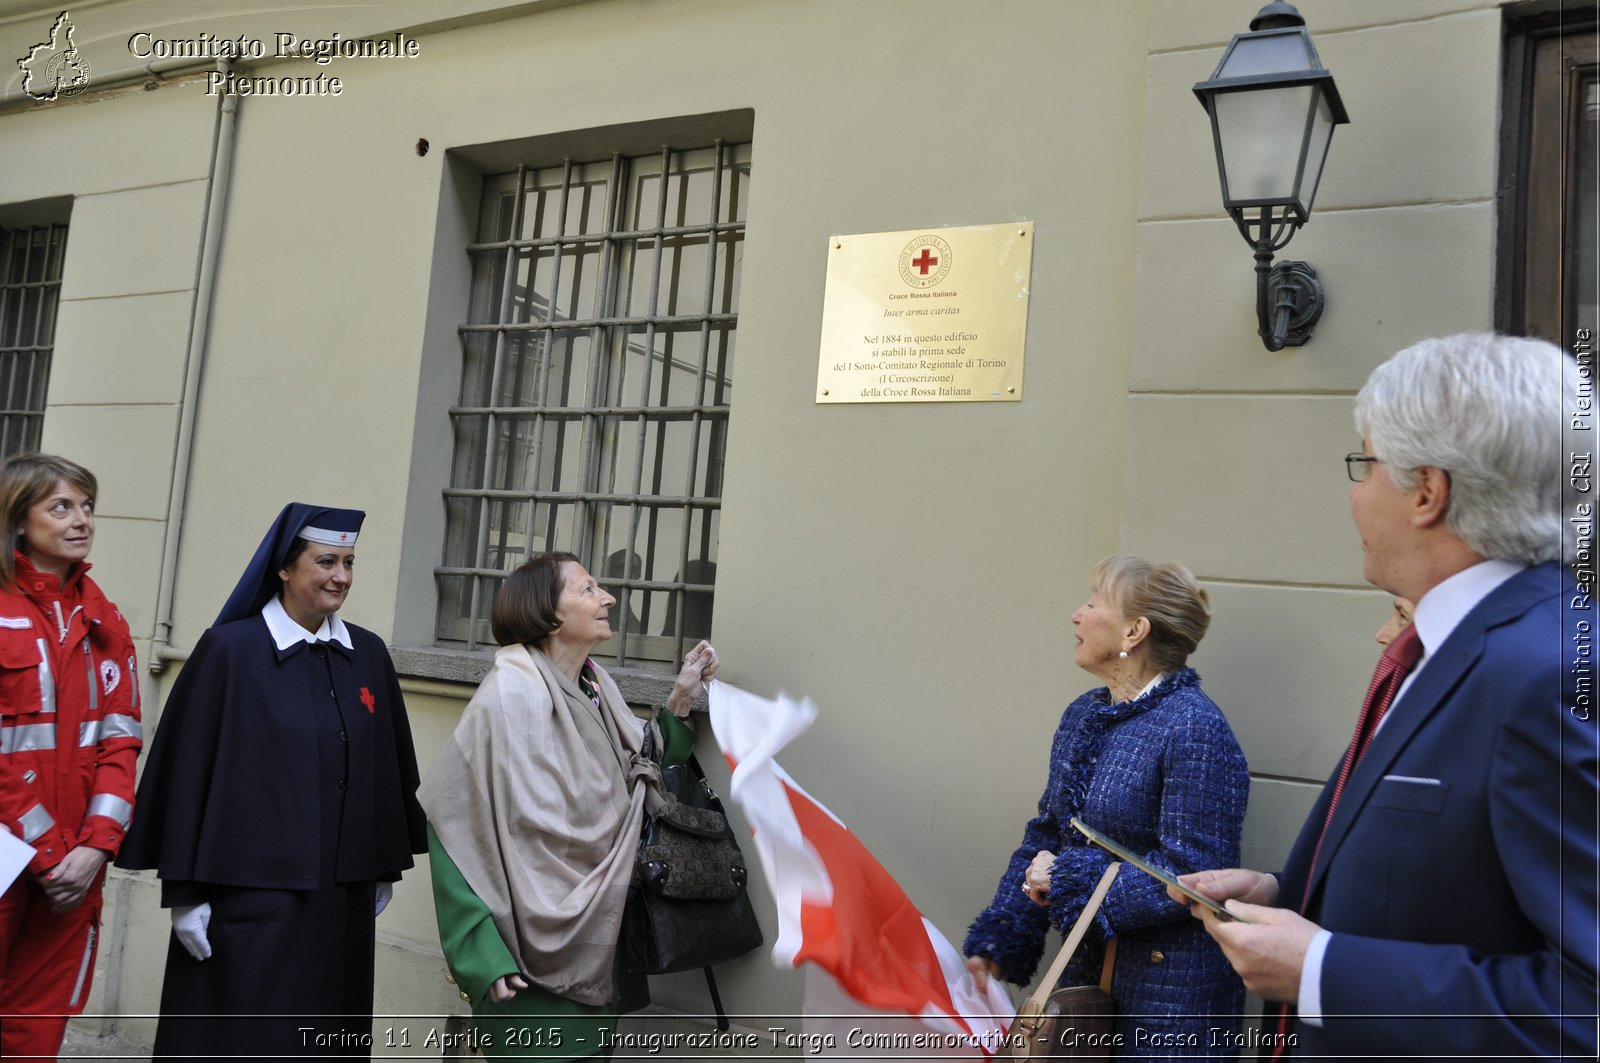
368, 700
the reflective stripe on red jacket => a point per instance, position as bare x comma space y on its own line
69, 715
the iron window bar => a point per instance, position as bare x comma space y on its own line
506, 442
620, 236
509, 494
31, 262
581, 324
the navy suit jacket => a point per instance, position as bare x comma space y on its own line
1459, 873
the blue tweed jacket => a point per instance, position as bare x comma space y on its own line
1164, 775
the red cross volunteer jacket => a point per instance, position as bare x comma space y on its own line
69, 715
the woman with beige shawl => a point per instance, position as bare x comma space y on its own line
535, 808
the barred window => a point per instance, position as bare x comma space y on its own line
30, 289
596, 375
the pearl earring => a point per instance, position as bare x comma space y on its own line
1123, 655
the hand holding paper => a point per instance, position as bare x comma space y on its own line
1122, 852
1266, 946
1234, 883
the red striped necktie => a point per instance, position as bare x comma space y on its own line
1399, 658
1397, 661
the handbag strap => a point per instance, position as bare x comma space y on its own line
711, 979
1042, 994
649, 740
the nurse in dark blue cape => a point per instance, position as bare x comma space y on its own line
278, 806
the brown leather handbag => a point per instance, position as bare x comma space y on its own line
1076, 1022
688, 905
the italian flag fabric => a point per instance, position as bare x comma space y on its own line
880, 979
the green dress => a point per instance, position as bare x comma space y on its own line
534, 1024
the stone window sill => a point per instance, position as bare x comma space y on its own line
642, 686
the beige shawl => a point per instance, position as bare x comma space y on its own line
532, 800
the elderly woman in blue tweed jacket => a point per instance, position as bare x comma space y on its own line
1149, 760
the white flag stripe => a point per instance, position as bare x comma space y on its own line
868, 945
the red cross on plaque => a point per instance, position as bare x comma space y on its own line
925, 261
368, 700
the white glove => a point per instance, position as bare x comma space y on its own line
189, 923
385, 891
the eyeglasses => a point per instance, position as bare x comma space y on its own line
1357, 466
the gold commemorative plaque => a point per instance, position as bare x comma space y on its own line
926, 315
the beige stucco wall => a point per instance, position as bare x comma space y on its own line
1234, 452
893, 562
128, 286
912, 568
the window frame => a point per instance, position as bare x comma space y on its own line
1546, 47
609, 324
22, 228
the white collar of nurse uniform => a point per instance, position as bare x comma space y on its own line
285, 632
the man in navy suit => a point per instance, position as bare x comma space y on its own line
1447, 905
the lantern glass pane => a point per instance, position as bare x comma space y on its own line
1260, 134
1321, 132
1255, 54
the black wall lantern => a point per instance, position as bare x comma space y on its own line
1273, 108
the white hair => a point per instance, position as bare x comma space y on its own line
1489, 410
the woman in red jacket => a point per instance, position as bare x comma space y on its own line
69, 741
